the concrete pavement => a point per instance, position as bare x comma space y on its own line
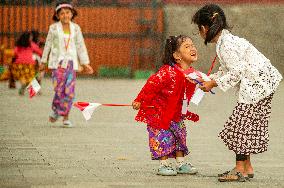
111, 150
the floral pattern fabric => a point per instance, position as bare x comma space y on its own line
167, 142
23, 72
64, 87
164, 91
244, 66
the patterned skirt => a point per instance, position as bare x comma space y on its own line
23, 72
167, 142
246, 130
64, 86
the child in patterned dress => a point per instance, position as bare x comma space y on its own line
23, 67
244, 67
64, 45
160, 104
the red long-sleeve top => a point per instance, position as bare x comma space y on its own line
165, 91
24, 55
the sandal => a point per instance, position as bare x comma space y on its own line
233, 171
238, 177
67, 123
53, 117
250, 175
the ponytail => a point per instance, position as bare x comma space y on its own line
214, 29
212, 16
168, 57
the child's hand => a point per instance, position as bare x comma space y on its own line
88, 69
136, 105
190, 80
80, 69
41, 67
200, 80
207, 86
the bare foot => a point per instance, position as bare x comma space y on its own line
248, 167
249, 171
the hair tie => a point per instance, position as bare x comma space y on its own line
214, 16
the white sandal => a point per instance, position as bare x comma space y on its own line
67, 123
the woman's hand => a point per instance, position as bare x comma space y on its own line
207, 86
88, 69
136, 105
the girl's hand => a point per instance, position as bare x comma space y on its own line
88, 69
200, 80
190, 80
207, 86
80, 68
41, 67
193, 81
136, 105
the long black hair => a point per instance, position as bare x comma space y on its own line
35, 36
55, 18
173, 43
213, 16
24, 40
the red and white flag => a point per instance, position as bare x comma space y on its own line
87, 108
33, 88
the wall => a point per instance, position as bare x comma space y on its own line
112, 34
261, 24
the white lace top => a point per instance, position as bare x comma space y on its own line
243, 66
56, 42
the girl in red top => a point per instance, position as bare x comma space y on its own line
24, 66
160, 104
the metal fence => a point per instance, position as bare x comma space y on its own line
118, 33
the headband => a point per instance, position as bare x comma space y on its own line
63, 6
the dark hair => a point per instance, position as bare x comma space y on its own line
173, 43
213, 16
24, 40
55, 18
35, 36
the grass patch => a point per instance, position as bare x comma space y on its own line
114, 72
143, 74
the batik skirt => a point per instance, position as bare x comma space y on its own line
23, 72
64, 86
167, 142
246, 130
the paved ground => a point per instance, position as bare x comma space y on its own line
111, 149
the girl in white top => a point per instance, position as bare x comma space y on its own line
244, 67
64, 48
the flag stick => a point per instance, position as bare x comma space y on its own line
77, 103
